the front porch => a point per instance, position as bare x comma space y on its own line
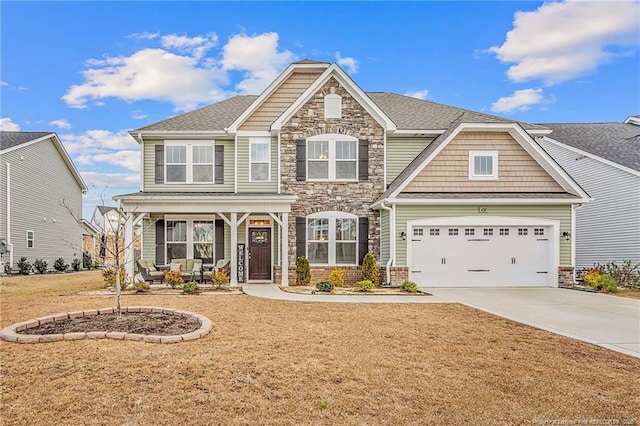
250, 230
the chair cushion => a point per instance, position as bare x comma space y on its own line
174, 266
197, 267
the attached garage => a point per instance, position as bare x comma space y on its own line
483, 251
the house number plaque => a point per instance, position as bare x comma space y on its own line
240, 263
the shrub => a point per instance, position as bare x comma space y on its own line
324, 286
173, 278
76, 264
24, 266
190, 288
41, 266
141, 286
59, 265
627, 274
592, 278
608, 284
219, 278
409, 287
370, 270
336, 276
109, 277
303, 271
364, 285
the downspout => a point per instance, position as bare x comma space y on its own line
392, 246
9, 244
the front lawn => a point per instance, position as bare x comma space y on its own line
277, 362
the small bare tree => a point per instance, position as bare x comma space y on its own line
117, 249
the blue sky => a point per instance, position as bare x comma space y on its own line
91, 71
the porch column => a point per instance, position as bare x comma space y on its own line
284, 252
128, 246
234, 250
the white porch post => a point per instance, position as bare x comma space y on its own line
284, 256
234, 249
128, 246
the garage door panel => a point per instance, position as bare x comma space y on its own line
481, 256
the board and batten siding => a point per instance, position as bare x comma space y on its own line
517, 171
40, 182
244, 183
560, 213
607, 228
400, 151
281, 99
148, 173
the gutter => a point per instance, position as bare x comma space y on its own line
392, 234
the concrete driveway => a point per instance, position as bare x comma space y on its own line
609, 321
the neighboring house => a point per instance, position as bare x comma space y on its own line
316, 167
604, 158
41, 199
109, 225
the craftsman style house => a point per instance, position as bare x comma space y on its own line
316, 167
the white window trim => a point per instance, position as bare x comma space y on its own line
189, 161
332, 138
260, 141
189, 242
332, 106
472, 171
332, 216
32, 239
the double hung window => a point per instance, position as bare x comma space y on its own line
189, 162
332, 238
259, 159
190, 238
332, 157
31, 238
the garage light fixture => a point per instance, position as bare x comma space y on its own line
566, 235
403, 235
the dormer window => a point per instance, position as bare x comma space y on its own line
332, 106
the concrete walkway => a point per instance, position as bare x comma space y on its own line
608, 321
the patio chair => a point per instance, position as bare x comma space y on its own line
149, 271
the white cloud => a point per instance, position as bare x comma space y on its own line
562, 40
521, 100
61, 124
127, 159
420, 94
258, 57
138, 114
7, 125
3, 83
183, 70
350, 64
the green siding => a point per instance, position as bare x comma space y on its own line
149, 239
149, 172
401, 151
404, 214
244, 185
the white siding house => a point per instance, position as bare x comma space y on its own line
37, 180
604, 158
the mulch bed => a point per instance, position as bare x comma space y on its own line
158, 324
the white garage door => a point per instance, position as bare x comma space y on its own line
474, 256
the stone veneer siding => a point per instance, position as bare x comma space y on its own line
565, 276
348, 197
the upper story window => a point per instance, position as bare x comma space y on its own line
189, 162
259, 159
332, 157
483, 165
31, 239
332, 106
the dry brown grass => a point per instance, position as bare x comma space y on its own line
276, 362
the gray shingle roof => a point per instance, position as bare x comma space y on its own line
213, 117
406, 112
617, 142
11, 139
414, 114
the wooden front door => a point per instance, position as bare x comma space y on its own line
260, 253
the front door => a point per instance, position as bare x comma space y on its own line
260, 253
